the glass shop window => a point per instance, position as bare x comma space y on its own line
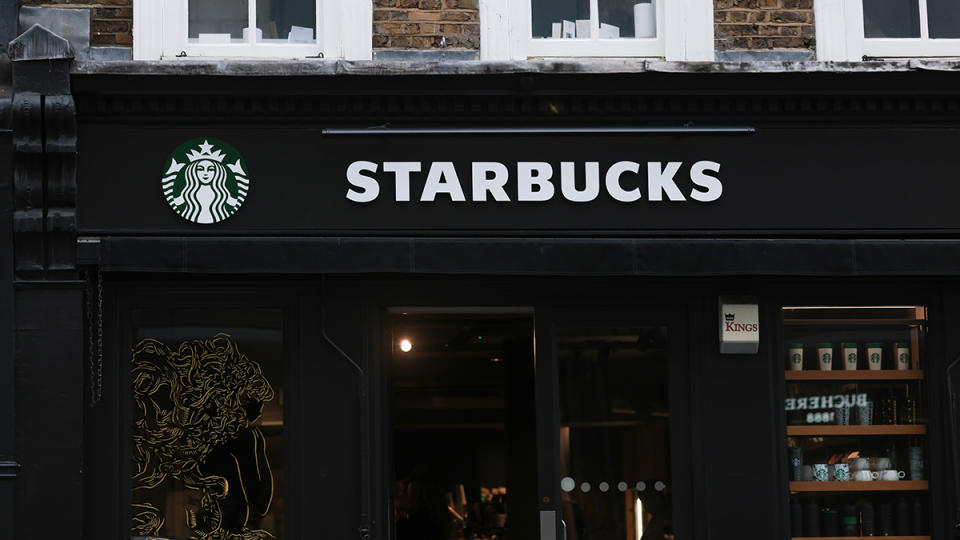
207, 425
857, 421
598, 19
598, 28
911, 27
464, 443
615, 433
224, 22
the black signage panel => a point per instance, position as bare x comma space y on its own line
203, 180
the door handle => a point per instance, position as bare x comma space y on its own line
563, 526
548, 525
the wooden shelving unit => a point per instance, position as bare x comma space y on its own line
860, 538
872, 430
856, 375
858, 487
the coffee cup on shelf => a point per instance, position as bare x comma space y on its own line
874, 353
864, 475
890, 475
821, 472
849, 351
841, 472
860, 464
903, 356
825, 356
795, 356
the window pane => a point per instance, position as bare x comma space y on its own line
217, 21
464, 445
561, 18
287, 21
208, 425
628, 18
891, 18
614, 435
944, 18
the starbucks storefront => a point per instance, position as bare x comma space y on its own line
486, 313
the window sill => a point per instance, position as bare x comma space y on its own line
319, 66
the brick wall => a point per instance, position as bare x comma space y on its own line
422, 24
763, 24
111, 21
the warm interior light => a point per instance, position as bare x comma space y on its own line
406, 345
638, 512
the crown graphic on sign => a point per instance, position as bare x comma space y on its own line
728, 316
206, 152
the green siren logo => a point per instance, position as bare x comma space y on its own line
205, 181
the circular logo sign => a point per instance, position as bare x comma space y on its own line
205, 180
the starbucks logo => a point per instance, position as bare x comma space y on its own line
796, 358
875, 358
206, 181
852, 357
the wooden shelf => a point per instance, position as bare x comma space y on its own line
855, 375
854, 322
900, 429
860, 538
853, 486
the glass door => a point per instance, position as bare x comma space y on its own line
612, 424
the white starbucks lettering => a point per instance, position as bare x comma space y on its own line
568, 181
534, 181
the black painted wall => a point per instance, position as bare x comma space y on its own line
7, 449
49, 405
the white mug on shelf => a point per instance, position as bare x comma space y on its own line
890, 475
864, 475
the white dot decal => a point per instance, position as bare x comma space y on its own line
604, 487
659, 486
622, 486
568, 484
585, 487
641, 486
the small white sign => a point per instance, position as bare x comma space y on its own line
300, 34
583, 28
609, 31
739, 328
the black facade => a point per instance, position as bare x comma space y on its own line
837, 190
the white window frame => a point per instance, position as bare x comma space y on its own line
684, 33
840, 36
344, 31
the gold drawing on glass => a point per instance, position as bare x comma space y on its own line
195, 409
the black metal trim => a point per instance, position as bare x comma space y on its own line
529, 256
9, 469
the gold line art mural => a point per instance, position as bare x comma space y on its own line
196, 444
